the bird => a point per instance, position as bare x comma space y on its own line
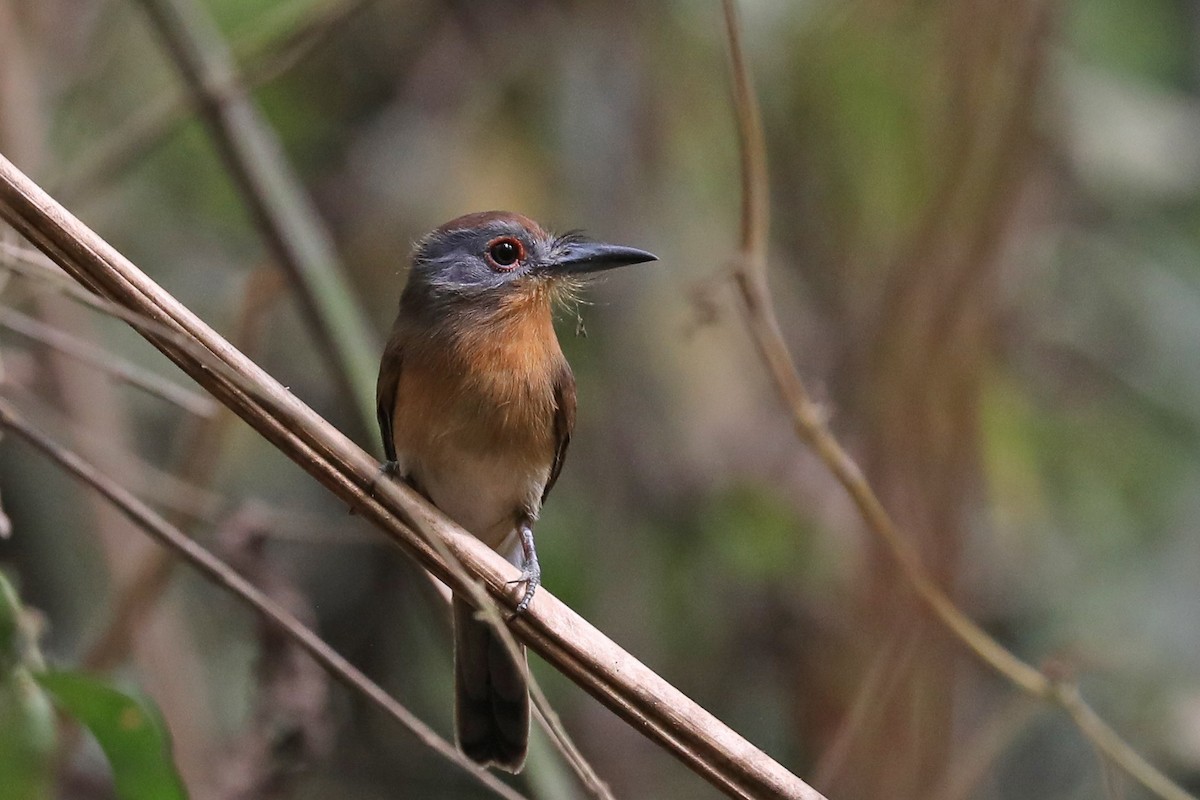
476, 406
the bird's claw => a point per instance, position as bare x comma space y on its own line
531, 571
532, 578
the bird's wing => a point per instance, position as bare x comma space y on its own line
385, 393
564, 423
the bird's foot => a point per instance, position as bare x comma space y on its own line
531, 571
532, 578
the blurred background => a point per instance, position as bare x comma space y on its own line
985, 257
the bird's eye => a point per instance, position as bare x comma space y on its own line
505, 253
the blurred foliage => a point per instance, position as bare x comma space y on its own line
986, 239
129, 731
27, 736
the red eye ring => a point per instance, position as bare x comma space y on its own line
505, 253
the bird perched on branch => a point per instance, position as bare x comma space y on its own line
476, 404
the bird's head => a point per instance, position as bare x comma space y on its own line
494, 255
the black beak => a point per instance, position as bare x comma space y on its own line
584, 257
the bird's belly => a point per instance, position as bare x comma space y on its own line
485, 493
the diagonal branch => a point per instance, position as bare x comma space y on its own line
221, 574
750, 274
582, 653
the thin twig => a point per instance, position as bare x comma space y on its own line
876, 690
165, 490
120, 368
48, 275
221, 574
810, 425
548, 718
291, 727
278, 202
652, 706
985, 748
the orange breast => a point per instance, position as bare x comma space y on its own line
484, 386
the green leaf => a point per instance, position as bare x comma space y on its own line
26, 716
129, 730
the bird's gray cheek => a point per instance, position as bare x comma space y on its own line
467, 274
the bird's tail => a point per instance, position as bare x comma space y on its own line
491, 695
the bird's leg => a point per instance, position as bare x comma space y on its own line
531, 571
